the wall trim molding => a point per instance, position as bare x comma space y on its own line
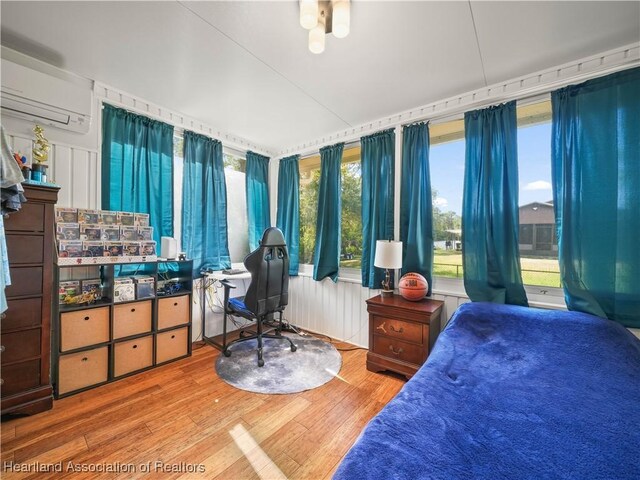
120, 98
534, 84
56, 143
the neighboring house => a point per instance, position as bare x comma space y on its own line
537, 230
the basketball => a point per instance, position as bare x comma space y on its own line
413, 287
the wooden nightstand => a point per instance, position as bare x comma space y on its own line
401, 333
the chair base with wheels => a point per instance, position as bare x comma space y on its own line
259, 335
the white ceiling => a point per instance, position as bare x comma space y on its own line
244, 67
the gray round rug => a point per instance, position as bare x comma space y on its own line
314, 363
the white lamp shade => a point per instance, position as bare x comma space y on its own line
388, 254
316, 38
308, 13
341, 18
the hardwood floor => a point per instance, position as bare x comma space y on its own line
184, 422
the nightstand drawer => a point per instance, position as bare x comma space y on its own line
131, 319
132, 355
398, 350
83, 328
405, 331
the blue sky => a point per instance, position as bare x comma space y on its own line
534, 164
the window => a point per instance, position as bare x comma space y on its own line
309, 185
351, 240
178, 168
537, 241
237, 221
446, 161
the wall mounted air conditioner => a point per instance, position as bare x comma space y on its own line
46, 98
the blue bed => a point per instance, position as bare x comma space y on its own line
512, 392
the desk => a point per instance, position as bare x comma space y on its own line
208, 280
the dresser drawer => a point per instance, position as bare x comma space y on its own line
20, 377
405, 331
83, 369
131, 319
23, 313
172, 344
398, 350
173, 311
30, 218
20, 345
83, 328
25, 281
25, 249
132, 355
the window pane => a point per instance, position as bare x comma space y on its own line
178, 164
351, 241
538, 245
446, 160
237, 222
309, 186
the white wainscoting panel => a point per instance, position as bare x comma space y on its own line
75, 169
339, 309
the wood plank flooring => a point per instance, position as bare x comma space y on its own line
182, 421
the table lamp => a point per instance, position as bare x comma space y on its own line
388, 256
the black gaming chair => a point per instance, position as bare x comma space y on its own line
268, 292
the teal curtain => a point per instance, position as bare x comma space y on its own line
204, 204
490, 255
137, 167
596, 181
416, 216
258, 214
288, 214
326, 255
378, 161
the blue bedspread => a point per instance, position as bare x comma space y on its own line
512, 392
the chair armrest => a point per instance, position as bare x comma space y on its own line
227, 284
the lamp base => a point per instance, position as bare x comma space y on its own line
386, 293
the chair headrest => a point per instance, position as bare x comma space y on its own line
272, 237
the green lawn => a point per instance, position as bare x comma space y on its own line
543, 272
535, 271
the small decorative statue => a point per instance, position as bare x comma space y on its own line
41, 151
40, 156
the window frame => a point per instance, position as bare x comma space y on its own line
349, 274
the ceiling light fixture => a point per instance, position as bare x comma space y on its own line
323, 17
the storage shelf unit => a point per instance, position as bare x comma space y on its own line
106, 341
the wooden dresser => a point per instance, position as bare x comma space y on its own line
401, 333
26, 325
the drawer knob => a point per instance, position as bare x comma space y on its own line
86, 318
393, 329
1, 348
175, 304
135, 346
85, 359
3, 316
172, 336
395, 352
133, 310
1, 381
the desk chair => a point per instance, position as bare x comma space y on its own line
267, 293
